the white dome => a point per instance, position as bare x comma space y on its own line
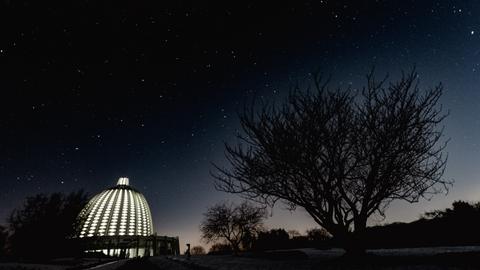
117, 211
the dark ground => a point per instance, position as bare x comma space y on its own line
470, 260
450, 258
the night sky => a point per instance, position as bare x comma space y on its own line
90, 92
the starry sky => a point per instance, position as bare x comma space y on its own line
92, 91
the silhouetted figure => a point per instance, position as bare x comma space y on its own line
187, 252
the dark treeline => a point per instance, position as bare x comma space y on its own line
281, 239
49, 221
41, 229
457, 225
275, 239
453, 226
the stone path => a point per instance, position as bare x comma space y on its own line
109, 265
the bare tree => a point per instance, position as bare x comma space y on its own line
342, 155
44, 219
318, 234
232, 223
293, 234
198, 250
220, 249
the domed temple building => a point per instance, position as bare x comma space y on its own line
118, 222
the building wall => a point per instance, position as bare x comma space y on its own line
131, 246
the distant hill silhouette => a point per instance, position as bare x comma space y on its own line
458, 225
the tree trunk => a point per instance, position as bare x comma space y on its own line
355, 242
236, 250
235, 247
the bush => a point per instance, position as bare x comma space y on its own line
220, 249
198, 250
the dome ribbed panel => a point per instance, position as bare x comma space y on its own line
116, 212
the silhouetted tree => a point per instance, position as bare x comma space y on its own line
272, 239
248, 239
41, 228
232, 223
318, 234
198, 250
342, 155
281, 239
459, 210
293, 233
220, 249
319, 237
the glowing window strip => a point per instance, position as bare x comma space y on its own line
108, 211
146, 210
102, 211
92, 212
86, 211
111, 226
122, 181
125, 209
132, 217
113, 223
139, 216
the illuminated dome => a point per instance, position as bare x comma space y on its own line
117, 211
